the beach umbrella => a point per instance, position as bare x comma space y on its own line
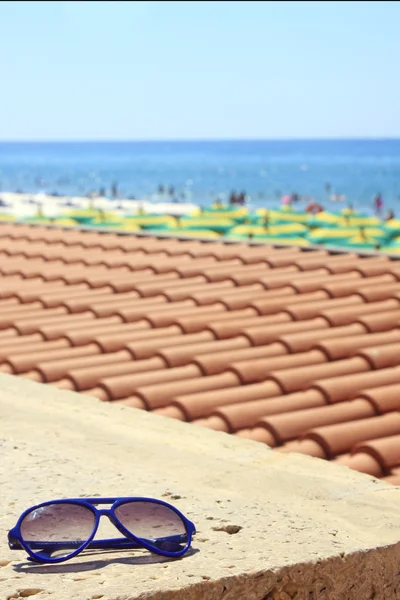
65, 222
286, 241
361, 243
193, 233
390, 249
393, 227
269, 239
152, 221
286, 230
219, 224
359, 221
340, 234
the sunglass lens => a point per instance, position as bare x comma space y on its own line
57, 530
158, 525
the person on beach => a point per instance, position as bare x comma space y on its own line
338, 197
217, 204
314, 207
294, 197
378, 204
363, 234
241, 198
390, 215
114, 190
233, 199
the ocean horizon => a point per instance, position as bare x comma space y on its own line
200, 170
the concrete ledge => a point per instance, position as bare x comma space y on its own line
305, 529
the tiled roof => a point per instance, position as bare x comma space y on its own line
296, 349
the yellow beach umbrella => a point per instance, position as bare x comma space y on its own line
126, 226
390, 249
149, 221
295, 241
290, 229
291, 217
359, 221
345, 233
65, 222
193, 233
326, 217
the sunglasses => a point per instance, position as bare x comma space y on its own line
59, 530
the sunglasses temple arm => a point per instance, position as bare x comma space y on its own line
126, 543
118, 543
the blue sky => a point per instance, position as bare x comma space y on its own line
199, 70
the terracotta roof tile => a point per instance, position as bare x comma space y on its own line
299, 342
202, 404
380, 357
371, 267
287, 256
306, 446
310, 283
246, 414
123, 305
377, 322
114, 388
239, 360
31, 356
296, 349
316, 308
364, 463
379, 291
234, 298
182, 312
344, 316
298, 378
85, 379
287, 275
259, 369
341, 288
340, 438
334, 264
216, 349
341, 347
292, 425
10, 345
386, 451
263, 333
269, 306
385, 398
394, 477
223, 325
337, 389
111, 342
54, 369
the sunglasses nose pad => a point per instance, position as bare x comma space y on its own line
117, 524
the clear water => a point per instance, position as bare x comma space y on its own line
265, 170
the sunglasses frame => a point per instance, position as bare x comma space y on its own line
129, 541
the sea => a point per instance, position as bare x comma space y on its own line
201, 171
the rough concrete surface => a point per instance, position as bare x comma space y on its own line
305, 529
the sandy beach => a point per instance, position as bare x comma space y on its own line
29, 205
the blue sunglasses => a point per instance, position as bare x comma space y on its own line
59, 530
